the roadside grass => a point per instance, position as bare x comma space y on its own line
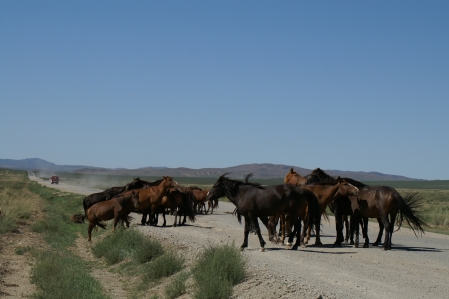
64, 275
178, 286
435, 208
17, 204
57, 272
217, 270
127, 243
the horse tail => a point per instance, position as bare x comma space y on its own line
313, 210
239, 216
188, 199
215, 203
101, 224
408, 209
85, 206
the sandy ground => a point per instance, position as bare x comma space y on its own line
415, 268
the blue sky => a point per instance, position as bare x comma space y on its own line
344, 85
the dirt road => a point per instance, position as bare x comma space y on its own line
414, 268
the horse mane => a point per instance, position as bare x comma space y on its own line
231, 186
355, 183
257, 185
194, 188
318, 175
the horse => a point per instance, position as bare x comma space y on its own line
253, 200
94, 198
199, 198
385, 203
117, 208
151, 197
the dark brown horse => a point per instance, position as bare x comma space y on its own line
117, 208
385, 203
253, 200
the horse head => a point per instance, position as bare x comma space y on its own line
294, 178
346, 189
218, 189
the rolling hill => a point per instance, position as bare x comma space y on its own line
262, 171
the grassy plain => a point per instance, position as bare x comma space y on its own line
60, 273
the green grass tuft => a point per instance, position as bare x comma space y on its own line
177, 287
216, 271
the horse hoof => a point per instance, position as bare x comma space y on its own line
262, 249
337, 244
351, 243
318, 244
365, 245
376, 244
288, 247
356, 245
241, 248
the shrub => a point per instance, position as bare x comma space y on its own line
217, 270
177, 287
163, 266
58, 276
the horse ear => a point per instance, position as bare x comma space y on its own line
291, 170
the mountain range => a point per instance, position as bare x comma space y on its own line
262, 171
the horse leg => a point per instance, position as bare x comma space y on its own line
365, 231
352, 228
246, 233
338, 226
163, 217
346, 223
392, 220
357, 230
384, 219
299, 239
257, 229
379, 235
144, 217
317, 232
176, 217
282, 226
89, 230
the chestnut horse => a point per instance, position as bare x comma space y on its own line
151, 198
199, 199
117, 208
254, 201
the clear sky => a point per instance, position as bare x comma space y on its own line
342, 85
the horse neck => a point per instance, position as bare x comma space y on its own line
324, 193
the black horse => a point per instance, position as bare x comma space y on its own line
253, 200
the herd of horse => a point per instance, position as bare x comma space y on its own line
297, 206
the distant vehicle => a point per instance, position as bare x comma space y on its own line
54, 179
